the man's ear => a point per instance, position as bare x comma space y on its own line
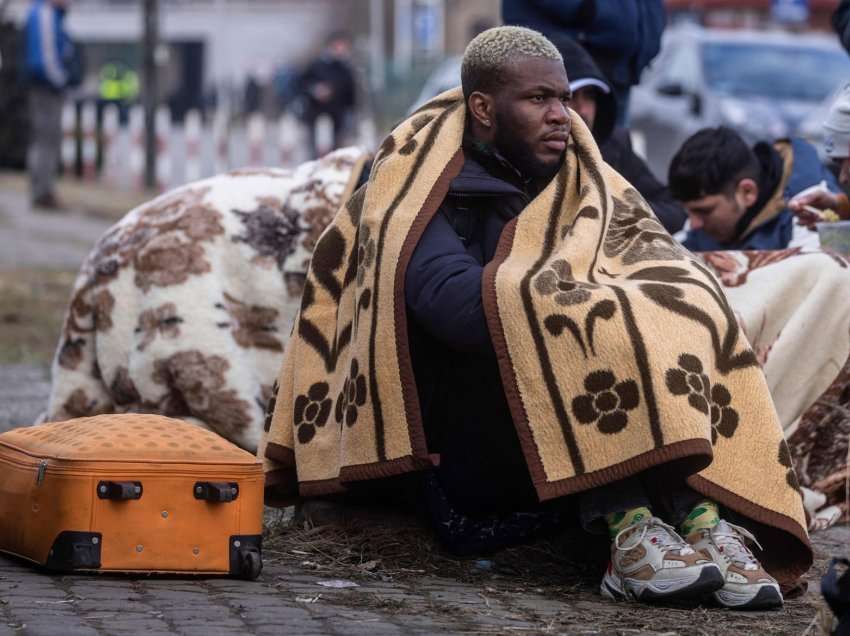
482, 108
747, 192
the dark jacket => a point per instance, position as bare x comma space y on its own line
615, 143
457, 376
623, 36
776, 233
338, 74
50, 57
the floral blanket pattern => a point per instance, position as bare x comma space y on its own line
617, 347
184, 306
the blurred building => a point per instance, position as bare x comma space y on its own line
213, 47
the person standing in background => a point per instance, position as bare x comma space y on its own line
622, 36
328, 88
51, 66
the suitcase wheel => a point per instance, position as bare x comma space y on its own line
251, 565
246, 556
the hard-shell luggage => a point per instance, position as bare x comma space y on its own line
130, 493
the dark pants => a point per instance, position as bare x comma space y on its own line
483, 472
45, 107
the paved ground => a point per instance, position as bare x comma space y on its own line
288, 597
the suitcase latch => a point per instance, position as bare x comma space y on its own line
216, 492
119, 490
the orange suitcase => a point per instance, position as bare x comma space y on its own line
130, 493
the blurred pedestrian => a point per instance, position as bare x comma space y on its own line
837, 147
51, 66
737, 197
594, 100
622, 36
328, 88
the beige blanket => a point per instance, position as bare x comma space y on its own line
617, 348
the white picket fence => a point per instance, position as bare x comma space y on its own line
191, 150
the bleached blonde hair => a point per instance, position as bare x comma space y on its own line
490, 52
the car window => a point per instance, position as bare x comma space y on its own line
746, 69
680, 67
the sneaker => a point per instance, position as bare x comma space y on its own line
746, 585
651, 562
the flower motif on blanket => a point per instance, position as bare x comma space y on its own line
606, 402
311, 411
690, 380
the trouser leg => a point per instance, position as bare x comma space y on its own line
45, 140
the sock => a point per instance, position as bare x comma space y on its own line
618, 520
704, 516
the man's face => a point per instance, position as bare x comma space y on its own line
716, 214
532, 123
584, 103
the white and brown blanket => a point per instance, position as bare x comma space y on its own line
184, 306
617, 348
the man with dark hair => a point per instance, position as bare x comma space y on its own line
595, 102
736, 196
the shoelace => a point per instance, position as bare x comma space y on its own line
732, 545
654, 527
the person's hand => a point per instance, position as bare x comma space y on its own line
322, 91
815, 208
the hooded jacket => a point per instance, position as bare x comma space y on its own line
615, 143
623, 35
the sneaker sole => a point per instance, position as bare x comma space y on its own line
709, 580
768, 597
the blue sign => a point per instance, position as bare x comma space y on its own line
790, 11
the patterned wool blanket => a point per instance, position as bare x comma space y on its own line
184, 306
617, 348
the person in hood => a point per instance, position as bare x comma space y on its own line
737, 197
596, 103
623, 36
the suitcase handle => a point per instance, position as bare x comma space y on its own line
119, 490
216, 492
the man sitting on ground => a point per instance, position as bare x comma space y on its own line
595, 102
498, 295
737, 197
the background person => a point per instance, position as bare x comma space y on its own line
594, 100
328, 88
837, 146
623, 36
737, 197
51, 66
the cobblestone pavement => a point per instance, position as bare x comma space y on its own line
287, 600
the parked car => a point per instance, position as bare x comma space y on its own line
763, 84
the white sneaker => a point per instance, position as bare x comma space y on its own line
746, 584
650, 562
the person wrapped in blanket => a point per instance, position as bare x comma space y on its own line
518, 125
